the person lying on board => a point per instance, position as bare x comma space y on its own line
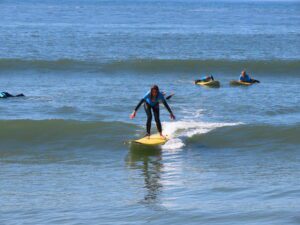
205, 79
244, 77
7, 95
151, 104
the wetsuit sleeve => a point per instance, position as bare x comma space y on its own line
170, 96
167, 106
139, 105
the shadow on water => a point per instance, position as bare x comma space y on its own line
147, 160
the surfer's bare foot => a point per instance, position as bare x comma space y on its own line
161, 135
148, 136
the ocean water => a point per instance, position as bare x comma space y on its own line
65, 151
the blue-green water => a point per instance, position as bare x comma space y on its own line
83, 65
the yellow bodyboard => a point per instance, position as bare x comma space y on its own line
237, 83
154, 139
212, 83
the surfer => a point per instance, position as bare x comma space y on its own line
205, 79
151, 104
7, 95
244, 77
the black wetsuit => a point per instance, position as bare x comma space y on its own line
7, 95
255, 81
153, 107
205, 79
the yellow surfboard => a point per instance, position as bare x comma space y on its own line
154, 139
212, 83
239, 83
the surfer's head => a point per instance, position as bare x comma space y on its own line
243, 73
154, 90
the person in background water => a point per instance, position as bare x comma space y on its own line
244, 77
205, 79
7, 95
151, 104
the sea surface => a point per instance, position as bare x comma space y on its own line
65, 151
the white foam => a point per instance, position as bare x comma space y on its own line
179, 130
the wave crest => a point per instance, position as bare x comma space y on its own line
156, 65
63, 133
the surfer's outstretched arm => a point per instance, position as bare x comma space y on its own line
139, 105
169, 109
137, 108
169, 97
